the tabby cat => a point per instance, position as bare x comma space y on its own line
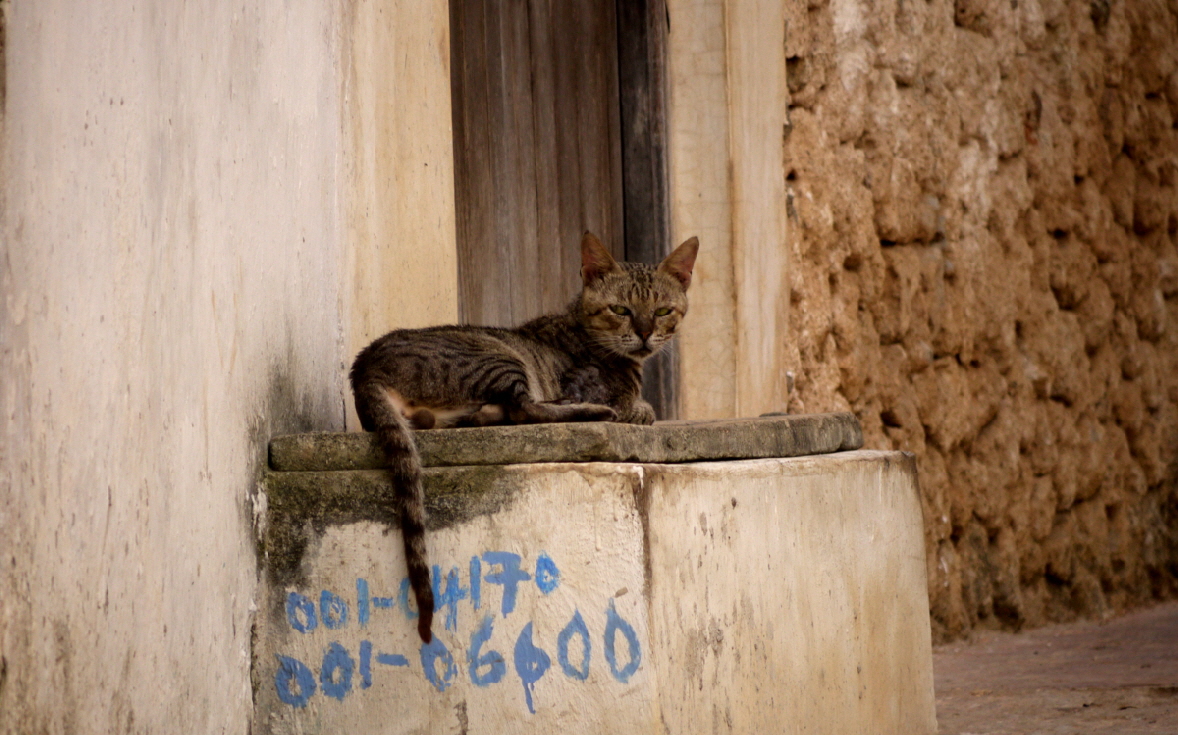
581, 365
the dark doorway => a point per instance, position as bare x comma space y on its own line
559, 127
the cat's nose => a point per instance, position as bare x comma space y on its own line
644, 335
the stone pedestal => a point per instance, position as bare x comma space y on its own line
694, 583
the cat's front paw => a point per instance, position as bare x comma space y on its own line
640, 412
596, 412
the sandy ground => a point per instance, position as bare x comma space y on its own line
1120, 676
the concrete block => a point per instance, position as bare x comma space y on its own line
764, 595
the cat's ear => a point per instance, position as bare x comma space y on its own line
595, 259
681, 262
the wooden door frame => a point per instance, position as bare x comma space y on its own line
646, 201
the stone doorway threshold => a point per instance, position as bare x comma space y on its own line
1092, 678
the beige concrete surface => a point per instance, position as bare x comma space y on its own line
583, 521
402, 268
169, 279
174, 290
789, 596
772, 595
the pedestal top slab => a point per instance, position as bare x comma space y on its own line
664, 442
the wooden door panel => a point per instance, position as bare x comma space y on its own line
559, 127
537, 150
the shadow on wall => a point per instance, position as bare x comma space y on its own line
283, 410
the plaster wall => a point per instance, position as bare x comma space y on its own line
177, 196
787, 596
402, 269
771, 595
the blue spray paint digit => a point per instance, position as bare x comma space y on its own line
365, 664
403, 600
290, 671
362, 609
530, 663
476, 582
295, 604
547, 575
510, 576
333, 611
450, 597
614, 623
433, 652
336, 660
576, 626
478, 660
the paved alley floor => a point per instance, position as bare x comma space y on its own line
1086, 678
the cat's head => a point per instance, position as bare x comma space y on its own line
633, 309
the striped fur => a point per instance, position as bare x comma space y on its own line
584, 364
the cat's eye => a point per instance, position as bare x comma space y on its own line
619, 310
662, 312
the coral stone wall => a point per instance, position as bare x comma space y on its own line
984, 219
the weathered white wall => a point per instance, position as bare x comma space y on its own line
177, 185
400, 196
581, 517
772, 595
788, 595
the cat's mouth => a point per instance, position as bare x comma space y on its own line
643, 349
634, 346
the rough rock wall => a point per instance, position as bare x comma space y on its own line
984, 216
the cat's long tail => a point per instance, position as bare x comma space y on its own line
378, 414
